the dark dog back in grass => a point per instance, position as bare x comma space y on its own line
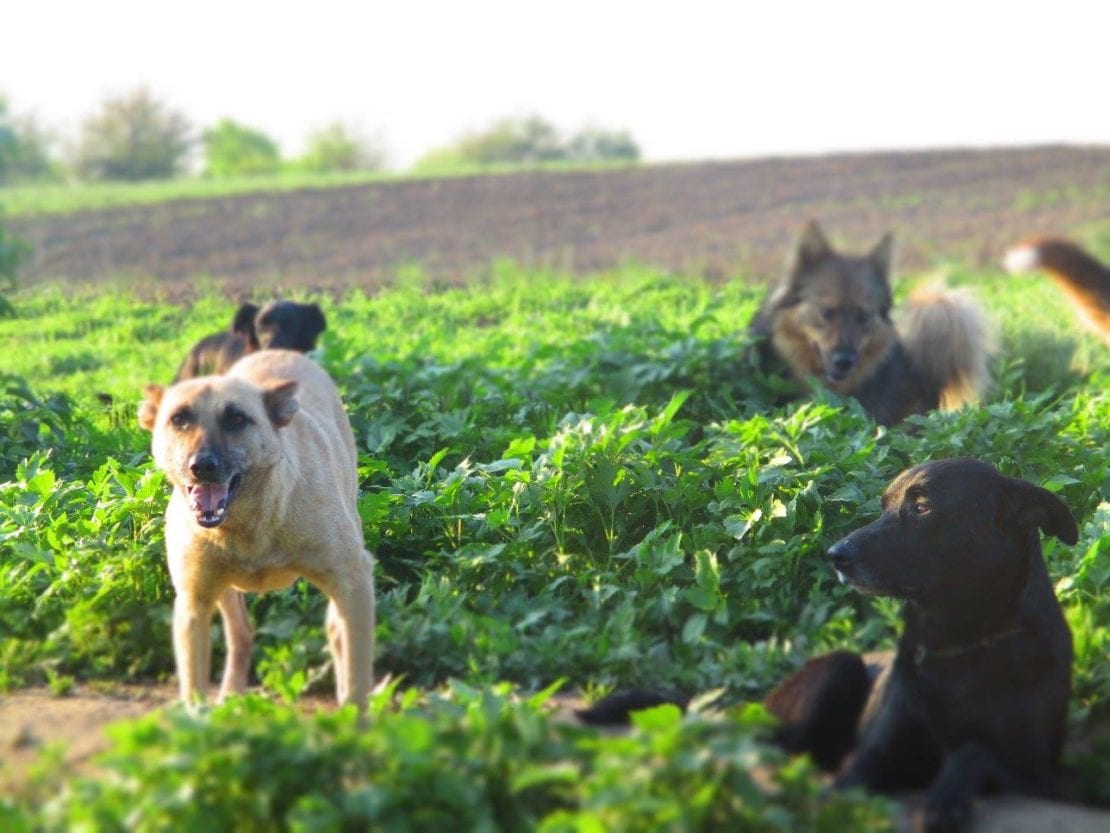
284, 325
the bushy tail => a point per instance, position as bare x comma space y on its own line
949, 340
1085, 281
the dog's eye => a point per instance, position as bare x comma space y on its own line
828, 313
862, 317
181, 420
920, 506
235, 421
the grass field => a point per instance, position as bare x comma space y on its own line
568, 482
32, 199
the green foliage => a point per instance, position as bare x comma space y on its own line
461, 760
595, 144
338, 148
7, 138
24, 149
12, 252
231, 149
134, 136
27, 199
531, 140
579, 479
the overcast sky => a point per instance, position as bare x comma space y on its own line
690, 79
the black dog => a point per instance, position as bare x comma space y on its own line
278, 325
976, 694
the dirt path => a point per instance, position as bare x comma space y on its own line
33, 718
717, 219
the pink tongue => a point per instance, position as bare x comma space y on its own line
207, 497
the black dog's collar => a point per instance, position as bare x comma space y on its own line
921, 653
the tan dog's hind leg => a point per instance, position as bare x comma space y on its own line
350, 625
192, 646
239, 637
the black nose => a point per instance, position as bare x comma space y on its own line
843, 361
205, 466
842, 552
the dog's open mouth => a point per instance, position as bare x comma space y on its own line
210, 501
869, 586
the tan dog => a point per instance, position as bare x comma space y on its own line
262, 463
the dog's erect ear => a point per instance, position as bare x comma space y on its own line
148, 410
812, 248
243, 324
882, 255
281, 402
1026, 505
316, 321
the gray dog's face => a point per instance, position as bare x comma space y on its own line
948, 528
211, 433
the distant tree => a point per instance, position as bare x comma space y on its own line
508, 141
7, 140
338, 148
134, 136
25, 151
597, 145
530, 140
12, 252
231, 149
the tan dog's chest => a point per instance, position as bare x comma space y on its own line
254, 562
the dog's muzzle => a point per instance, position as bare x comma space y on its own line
210, 495
841, 555
840, 365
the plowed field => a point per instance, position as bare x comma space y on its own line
718, 218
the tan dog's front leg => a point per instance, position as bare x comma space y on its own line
239, 638
192, 646
335, 641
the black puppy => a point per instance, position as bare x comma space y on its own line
977, 694
278, 325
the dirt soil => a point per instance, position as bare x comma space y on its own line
33, 718
715, 218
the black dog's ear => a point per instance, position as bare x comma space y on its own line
243, 323
813, 248
1026, 505
316, 321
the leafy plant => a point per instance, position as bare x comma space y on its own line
464, 759
578, 479
232, 149
337, 147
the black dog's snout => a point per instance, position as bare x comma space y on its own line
205, 466
842, 552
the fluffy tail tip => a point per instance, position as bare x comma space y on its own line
1025, 257
951, 341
